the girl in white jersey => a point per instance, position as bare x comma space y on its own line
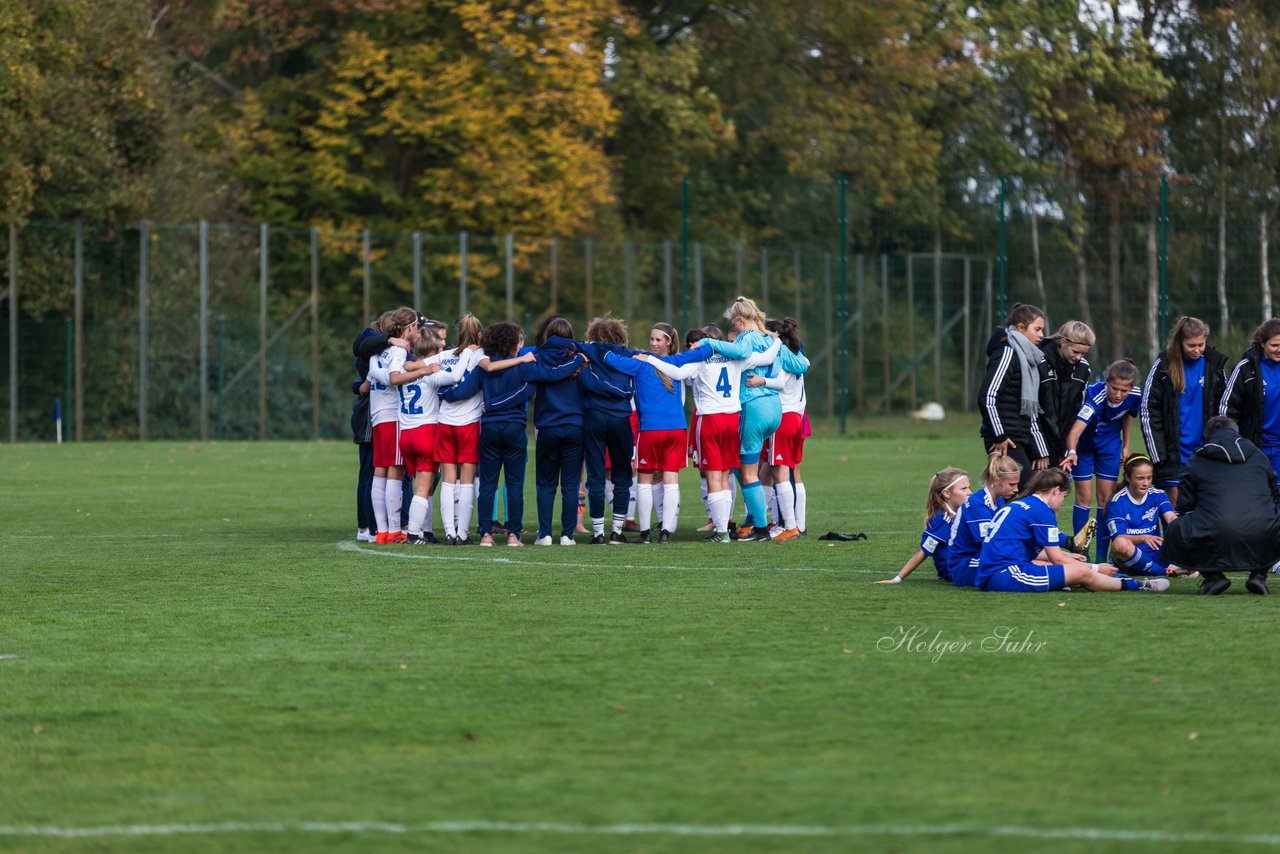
386, 372
786, 446
419, 418
458, 438
716, 382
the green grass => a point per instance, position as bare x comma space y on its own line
198, 641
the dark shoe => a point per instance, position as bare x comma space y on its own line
664, 537
1214, 584
804, 533
430, 538
616, 539
597, 540
418, 540
464, 541
450, 540
715, 537
643, 539
630, 525
1257, 584
757, 535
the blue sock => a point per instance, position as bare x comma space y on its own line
753, 497
1103, 538
1138, 562
1079, 515
1129, 583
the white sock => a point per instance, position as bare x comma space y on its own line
644, 505
466, 495
659, 496
395, 500
597, 526
770, 507
802, 502
380, 503
721, 503
447, 491
418, 510
733, 493
430, 523
619, 522
786, 504
670, 507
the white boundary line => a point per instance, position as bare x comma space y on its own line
725, 830
432, 553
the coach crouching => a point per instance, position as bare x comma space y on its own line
1228, 512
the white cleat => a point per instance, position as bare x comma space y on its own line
1154, 585
543, 541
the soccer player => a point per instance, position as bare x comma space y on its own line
557, 421
786, 446
972, 521
1021, 555
1183, 390
607, 427
458, 438
948, 490
1252, 395
1098, 441
1134, 516
386, 371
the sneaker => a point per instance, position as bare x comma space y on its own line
803, 532
1153, 585
430, 537
718, 538
1257, 584
397, 538
616, 539
450, 540
664, 537
417, 540
774, 531
710, 526
543, 541
366, 536
380, 537
756, 535
514, 541
568, 541
643, 539
1083, 538
630, 526
486, 540
743, 532
597, 540
465, 540
787, 536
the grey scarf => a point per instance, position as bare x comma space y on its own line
1029, 359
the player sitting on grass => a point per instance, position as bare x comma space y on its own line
972, 521
947, 491
1134, 516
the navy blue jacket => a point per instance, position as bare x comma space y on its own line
608, 390
558, 404
507, 392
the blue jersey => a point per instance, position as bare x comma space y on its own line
1137, 518
968, 529
1018, 532
933, 542
1270, 374
1191, 403
1103, 418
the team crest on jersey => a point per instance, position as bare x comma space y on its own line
1150, 515
984, 528
1054, 534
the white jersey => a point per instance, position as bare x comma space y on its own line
717, 381
462, 412
419, 400
790, 388
384, 398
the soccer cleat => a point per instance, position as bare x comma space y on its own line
486, 540
597, 540
1083, 538
630, 526
465, 540
664, 537
366, 536
742, 532
787, 535
417, 540
756, 535
430, 537
397, 538
1257, 584
718, 538
710, 526
380, 537
1154, 585
804, 533
543, 541
514, 541
450, 540
644, 538
567, 541
616, 539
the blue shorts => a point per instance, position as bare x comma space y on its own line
1103, 463
760, 418
1026, 578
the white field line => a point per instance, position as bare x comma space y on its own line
476, 555
1155, 837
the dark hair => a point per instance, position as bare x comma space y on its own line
713, 331
1022, 314
1219, 423
501, 340
672, 335
1045, 480
1186, 327
788, 331
557, 325
693, 336
608, 330
1131, 462
1123, 370
1267, 330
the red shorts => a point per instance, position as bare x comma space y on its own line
786, 445
457, 445
635, 426
717, 441
661, 450
386, 444
692, 442
418, 448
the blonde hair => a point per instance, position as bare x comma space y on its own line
394, 323
747, 309
426, 345
1077, 332
1000, 466
469, 330
941, 482
1186, 327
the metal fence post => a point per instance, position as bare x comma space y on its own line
829, 334
222, 372
860, 355
315, 333
144, 286
843, 316
78, 350
366, 273
1002, 251
462, 273
684, 252
629, 273
937, 314
669, 311
511, 277
1164, 257
697, 282
13, 332
263, 274
555, 274
589, 262
795, 276
204, 330
417, 275
764, 278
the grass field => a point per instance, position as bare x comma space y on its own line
196, 656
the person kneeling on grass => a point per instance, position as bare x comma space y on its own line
1021, 552
1227, 512
1133, 519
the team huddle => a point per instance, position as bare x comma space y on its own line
456, 417
1211, 431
